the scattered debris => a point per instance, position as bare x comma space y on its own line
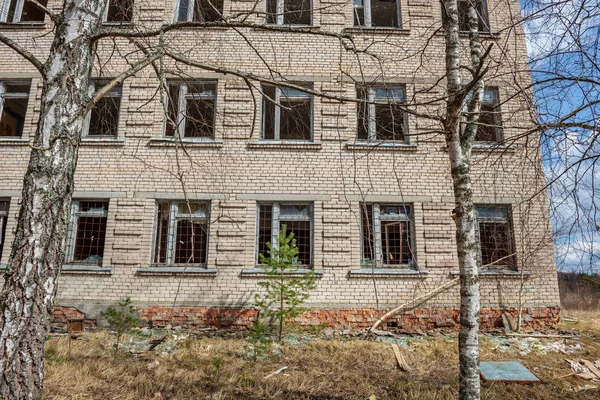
539, 335
507, 372
276, 372
526, 345
570, 320
153, 364
400, 358
583, 369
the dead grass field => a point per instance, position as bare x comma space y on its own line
215, 368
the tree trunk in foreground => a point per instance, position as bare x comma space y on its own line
27, 298
459, 145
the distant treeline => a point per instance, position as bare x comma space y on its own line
579, 291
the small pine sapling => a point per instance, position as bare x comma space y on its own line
122, 319
284, 293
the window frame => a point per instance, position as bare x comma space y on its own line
74, 226
375, 225
483, 16
276, 220
367, 15
511, 240
277, 114
18, 95
116, 92
174, 217
372, 113
279, 16
105, 20
496, 115
5, 7
3, 223
190, 11
183, 96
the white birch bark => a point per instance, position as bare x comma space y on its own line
27, 297
459, 143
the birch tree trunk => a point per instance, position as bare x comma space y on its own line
27, 297
459, 143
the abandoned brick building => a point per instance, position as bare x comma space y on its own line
365, 187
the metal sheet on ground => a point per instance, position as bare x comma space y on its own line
506, 371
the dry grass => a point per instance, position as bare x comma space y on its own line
320, 369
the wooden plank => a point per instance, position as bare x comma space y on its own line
400, 358
591, 367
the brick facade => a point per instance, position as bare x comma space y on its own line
237, 170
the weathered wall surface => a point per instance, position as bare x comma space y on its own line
236, 171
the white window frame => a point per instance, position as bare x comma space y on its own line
372, 98
182, 108
280, 13
105, 16
5, 6
114, 92
377, 218
18, 95
74, 226
276, 218
366, 6
174, 217
277, 116
3, 223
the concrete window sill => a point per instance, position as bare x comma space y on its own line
481, 147
105, 141
374, 30
14, 141
260, 273
390, 146
191, 271
23, 25
170, 142
289, 28
387, 273
500, 273
287, 145
86, 269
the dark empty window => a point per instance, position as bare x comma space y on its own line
199, 10
377, 13
191, 110
21, 11
119, 11
104, 117
496, 241
287, 114
181, 235
386, 235
297, 219
463, 15
489, 126
14, 97
87, 232
3, 220
289, 12
380, 114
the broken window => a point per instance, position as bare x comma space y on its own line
199, 10
289, 12
181, 233
191, 110
381, 115
87, 231
119, 11
103, 119
495, 234
286, 114
463, 14
377, 13
14, 97
3, 220
21, 11
296, 217
489, 126
386, 235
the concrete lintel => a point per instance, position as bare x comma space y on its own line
178, 196
386, 198
387, 273
372, 79
282, 197
10, 193
84, 194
